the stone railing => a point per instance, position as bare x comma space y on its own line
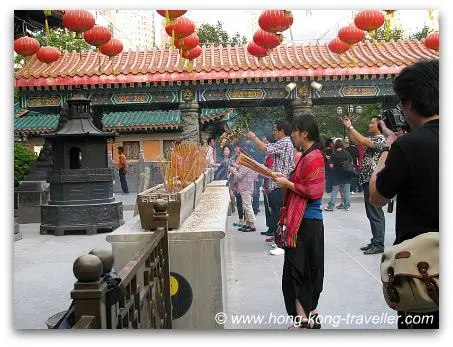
142, 297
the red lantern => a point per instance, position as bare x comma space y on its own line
112, 48
267, 40
26, 46
192, 54
171, 14
432, 41
180, 28
256, 50
338, 46
369, 20
351, 34
97, 36
48, 54
78, 21
275, 21
187, 43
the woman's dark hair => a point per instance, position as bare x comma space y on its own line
307, 122
378, 123
327, 143
227, 147
339, 144
283, 124
419, 84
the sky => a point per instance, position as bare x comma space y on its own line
319, 24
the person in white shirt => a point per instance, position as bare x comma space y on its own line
211, 153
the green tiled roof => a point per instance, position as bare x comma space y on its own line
142, 120
210, 114
35, 122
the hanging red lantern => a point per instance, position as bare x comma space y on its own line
78, 21
48, 54
369, 20
171, 14
432, 41
267, 40
256, 51
275, 21
112, 48
180, 28
351, 34
337, 46
187, 43
97, 36
192, 54
26, 46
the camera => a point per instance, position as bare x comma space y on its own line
394, 119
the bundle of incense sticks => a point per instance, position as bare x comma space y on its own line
253, 165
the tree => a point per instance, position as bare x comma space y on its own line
216, 35
22, 159
384, 33
421, 34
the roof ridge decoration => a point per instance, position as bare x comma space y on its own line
222, 63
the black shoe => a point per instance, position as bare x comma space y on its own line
374, 250
248, 229
366, 248
267, 233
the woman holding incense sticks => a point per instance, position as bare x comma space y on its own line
302, 236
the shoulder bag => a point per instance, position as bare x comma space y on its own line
410, 274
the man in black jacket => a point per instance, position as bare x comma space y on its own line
409, 165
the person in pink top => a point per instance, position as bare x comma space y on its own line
245, 185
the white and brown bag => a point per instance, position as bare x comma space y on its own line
410, 274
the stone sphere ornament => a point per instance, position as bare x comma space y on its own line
160, 205
106, 257
87, 268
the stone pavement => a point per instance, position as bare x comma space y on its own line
43, 275
351, 280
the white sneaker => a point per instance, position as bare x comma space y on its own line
353, 193
277, 251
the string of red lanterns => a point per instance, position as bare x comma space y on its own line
369, 20
78, 21
275, 21
432, 41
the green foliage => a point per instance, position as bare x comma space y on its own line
62, 39
216, 35
421, 34
330, 125
385, 34
22, 160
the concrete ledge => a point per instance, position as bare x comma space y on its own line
197, 254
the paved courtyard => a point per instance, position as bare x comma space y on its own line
43, 275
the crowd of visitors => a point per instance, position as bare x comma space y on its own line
383, 165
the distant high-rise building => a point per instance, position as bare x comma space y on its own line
135, 29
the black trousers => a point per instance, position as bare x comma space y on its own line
303, 268
256, 196
267, 210
275, 199
239, 206
123, 181
376, 217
